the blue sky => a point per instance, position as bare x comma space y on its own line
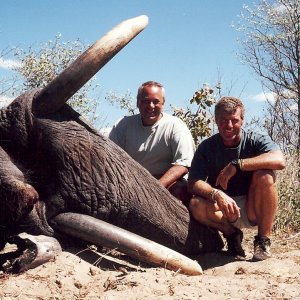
187, 43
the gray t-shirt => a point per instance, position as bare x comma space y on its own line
168, 142
212, 156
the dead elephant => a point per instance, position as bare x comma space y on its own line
52, 162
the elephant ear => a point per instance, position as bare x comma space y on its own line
64, 86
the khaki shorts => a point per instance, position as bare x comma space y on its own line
243, 221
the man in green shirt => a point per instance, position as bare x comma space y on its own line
232, 179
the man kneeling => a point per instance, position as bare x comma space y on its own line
232, 179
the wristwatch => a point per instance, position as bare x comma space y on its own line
236, 163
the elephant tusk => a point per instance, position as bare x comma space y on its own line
102, 233
57, 92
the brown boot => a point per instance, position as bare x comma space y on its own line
234, 243
262, 247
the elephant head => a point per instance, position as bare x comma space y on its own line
52, 162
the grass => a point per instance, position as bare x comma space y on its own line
288, 215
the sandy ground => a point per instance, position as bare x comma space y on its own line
88, 274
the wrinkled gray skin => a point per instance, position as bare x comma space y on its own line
51, 162
72, 168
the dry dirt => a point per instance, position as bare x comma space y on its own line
89, 274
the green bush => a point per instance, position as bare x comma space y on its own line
198, 121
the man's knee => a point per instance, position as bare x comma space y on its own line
264, 178
180, 191
197, 207
194, 204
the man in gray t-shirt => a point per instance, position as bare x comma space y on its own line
161, 143
233, 181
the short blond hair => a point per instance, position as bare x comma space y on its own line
229, 105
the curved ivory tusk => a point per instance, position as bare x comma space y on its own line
102, 233
56, 93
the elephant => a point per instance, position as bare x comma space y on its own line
54, 162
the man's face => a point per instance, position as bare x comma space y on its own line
150, 104
229, 126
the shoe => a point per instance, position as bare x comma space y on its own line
262, 248
234, 244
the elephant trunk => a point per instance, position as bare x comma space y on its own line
56, 93
101, 233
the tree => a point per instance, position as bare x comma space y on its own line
280, 123
6, 82
123, 101
199, 121
271, 47
40, 66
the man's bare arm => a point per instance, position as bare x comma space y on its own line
200, 188
222, 201
273, 160
172, 175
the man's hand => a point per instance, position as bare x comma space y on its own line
228, 206
225, 175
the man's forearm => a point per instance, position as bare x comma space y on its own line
172, 175
201, 188
273, 160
